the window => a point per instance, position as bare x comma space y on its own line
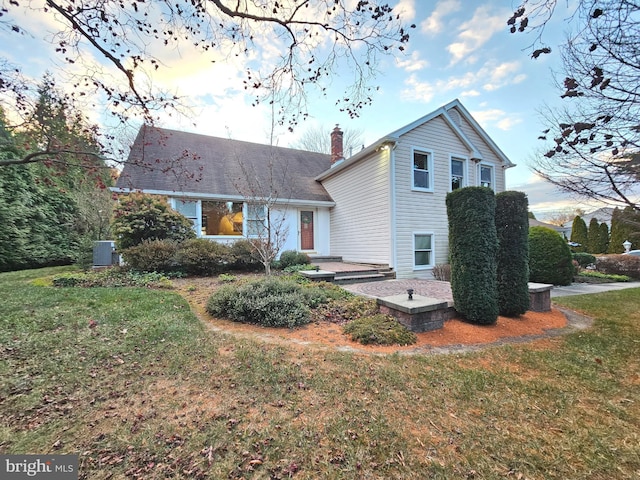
422, 250
422, 171
486, 176
188, 208
457, 173
256, 219
221, 218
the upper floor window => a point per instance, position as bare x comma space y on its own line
422, 170
486, 176
457, 173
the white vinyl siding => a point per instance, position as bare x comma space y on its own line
416, 212
360, 221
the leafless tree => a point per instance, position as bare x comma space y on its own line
311, 39
318, 139
594, 140
266, 195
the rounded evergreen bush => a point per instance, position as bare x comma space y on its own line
269, 302
140, 217
200, 256
244, 257
473, 245
550, 258
152, 256
379, 329
584, 259
512, 227
289, 258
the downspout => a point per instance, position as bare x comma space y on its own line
392, 212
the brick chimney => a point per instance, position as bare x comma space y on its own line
336, 145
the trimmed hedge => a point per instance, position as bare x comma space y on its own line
473, 245
550, 258
512, 227
289, 258
204, 257
152, 256
628, 265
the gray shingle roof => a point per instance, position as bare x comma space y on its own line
173, 161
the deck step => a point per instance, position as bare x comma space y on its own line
324, 258
358, 278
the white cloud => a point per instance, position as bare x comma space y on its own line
434, 24
476, 32
497, 117
406, 9
412, 63
489, 77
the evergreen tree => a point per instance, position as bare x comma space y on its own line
579, 234
593, 236
625, 225
603, 238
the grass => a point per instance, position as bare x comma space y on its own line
132, 382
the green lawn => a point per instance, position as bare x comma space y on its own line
134, 384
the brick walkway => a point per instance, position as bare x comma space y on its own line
426, 288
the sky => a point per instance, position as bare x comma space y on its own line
459, 49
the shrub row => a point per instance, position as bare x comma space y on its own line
628, 265
197, 256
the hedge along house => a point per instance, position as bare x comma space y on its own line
384, 205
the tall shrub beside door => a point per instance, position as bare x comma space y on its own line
512, 227
473, 246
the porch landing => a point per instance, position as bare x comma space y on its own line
353, 273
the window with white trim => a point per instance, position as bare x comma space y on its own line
457, 173
486, 176
422, 170
188, 208
256, 219
221, 218
422, 250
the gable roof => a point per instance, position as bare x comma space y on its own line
445, 113
171, 162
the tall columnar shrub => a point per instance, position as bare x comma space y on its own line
593, 236
579, 234
603, 238
550, 258
473, 245
512, 228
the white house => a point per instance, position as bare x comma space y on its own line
385, 205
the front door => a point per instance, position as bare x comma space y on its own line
306, 230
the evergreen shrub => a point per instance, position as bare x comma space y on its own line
473, 245
269, 302
152, 256
379, 329
512, 228
140, 217
550, 258
289, 258
200, 256
584, 259
244, 257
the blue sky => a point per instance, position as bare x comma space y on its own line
460, 49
